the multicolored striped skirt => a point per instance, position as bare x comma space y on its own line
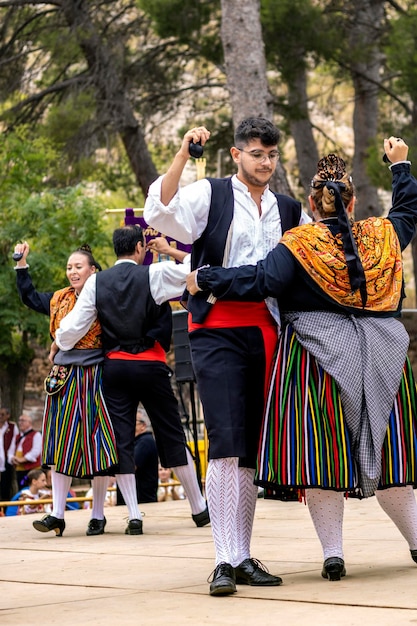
77, 434
305, 440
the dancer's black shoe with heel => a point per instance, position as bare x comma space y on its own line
333, 568
48, 523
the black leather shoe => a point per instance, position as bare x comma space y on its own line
253, 572
201, 519
96, 526
222, 582
48, 522
414, 555
134, 527
333, 568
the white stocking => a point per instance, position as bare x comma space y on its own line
399, 504
187, 476
326, 509
100, 486
61, 484
248, 494
223, 497
127, 485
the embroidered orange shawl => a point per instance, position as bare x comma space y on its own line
321, 255
62, 302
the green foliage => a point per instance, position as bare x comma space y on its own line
293, 30
178, 18
194, 23
401, 51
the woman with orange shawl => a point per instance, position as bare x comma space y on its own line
77, 434
341, 412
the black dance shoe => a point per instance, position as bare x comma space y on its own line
414, 555
134, 527
96, 526
201, 519
253, 572
223, 581
333, 568
48, 523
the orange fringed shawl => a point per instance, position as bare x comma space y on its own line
62, 302
321, 254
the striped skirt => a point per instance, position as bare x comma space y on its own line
77, 434
305, 441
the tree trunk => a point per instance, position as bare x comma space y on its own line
245, 66
12, 387
364, 37
111, 93
301, 129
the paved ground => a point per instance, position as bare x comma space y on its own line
160, 577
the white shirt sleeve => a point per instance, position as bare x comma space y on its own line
185, 217
78, 321
12, 448
305, 218
36, 449
167, 279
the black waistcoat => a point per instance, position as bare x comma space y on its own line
209, 248
130, 319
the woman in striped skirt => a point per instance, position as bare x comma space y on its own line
341, 411
77, 434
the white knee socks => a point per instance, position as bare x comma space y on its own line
127, 485
248, 494
399, 503
231, 498
100, 486
188, 478
326, 509
60, 487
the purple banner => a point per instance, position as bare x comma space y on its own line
151, 233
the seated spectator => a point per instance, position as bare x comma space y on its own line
146, 460
165, 490
110, 499
70, 506
35, 490
25, 451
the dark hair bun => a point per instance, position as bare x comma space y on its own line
85, 248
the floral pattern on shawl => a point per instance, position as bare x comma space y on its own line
321, 254
62, 302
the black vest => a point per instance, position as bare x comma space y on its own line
130, 319
209, 248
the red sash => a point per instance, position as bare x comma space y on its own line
157, 353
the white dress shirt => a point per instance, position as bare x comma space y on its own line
253, 235
167, 280
186, 216
33, 454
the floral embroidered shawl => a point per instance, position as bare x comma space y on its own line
62, 302
321, 254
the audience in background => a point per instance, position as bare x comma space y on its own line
146, 460
8, 433
166, 491
36, 489
25, 450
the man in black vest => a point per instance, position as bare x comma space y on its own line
230, 222
130, 300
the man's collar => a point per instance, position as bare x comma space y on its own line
125, 261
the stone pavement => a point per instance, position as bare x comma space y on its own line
160, 577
